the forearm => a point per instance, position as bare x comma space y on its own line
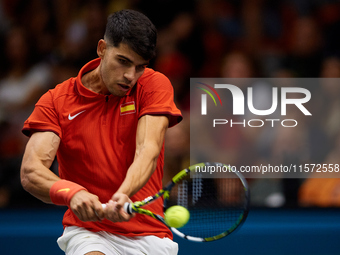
149, 143
140, 171
36, 177
38, 180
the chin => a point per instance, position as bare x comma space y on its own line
118, 93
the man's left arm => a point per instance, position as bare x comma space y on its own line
149, 141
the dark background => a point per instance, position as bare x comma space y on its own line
44, 42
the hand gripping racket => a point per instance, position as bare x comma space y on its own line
217, 206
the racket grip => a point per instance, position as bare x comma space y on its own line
127, 208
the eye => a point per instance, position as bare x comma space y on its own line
123, 61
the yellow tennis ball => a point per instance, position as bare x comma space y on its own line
176, 216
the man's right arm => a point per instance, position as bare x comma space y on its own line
36, 177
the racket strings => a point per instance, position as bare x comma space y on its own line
182, 198
215, 205
207, 224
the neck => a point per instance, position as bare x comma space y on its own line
92, 80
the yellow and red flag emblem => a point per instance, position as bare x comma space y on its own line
127, 108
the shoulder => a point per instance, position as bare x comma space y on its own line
59, 92
152, 79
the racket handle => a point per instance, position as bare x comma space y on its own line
127, 207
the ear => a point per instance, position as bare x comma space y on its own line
101, 48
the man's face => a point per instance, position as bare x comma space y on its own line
120, 67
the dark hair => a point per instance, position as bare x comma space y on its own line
134, 29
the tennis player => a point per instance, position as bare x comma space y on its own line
106, 126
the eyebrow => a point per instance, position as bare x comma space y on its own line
129, 60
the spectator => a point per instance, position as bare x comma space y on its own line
19, 90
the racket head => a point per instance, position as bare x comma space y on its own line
217, 207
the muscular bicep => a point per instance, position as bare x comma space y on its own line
42, 147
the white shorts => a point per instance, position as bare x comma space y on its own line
79, 241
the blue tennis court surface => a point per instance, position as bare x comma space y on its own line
265, 232
277, 232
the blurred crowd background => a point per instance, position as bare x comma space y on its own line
44, 42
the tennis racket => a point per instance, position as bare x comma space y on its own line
217, 206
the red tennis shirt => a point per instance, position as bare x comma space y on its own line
98, 141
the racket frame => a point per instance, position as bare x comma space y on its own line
165, 192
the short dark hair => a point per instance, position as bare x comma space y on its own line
134, 29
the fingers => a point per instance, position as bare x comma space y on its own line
114, 210
86, 206
115, 213
86, 212
99, 210
121, 199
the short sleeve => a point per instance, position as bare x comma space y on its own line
157, 98
43, 118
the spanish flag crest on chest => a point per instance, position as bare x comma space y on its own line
127, 108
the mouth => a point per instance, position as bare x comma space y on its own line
124, 87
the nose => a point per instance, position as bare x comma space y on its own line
130, 74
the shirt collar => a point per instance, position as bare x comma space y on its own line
85, 69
